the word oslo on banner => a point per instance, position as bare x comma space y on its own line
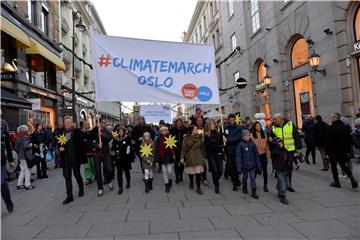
155, 113
153, 71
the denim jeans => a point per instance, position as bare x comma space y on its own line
5, 192
108, 169
252, 173
283, 183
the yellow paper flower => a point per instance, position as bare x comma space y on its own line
146, 150
62, 139
200, 131
237, 119
114, 134
170, 142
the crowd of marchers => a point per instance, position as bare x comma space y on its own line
231, 148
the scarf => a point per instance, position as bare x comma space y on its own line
162, 150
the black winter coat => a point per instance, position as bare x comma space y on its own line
138, 132
320, 133
214, 144
74, 154
338, 141
281, 159
308, 129
179, 137
124, 154
233, 134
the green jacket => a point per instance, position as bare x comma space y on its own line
193, 151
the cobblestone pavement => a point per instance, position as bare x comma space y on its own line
316, 211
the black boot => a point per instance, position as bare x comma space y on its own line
266, 188
354, 183
146, 186
253, 194
335, 184
10, 206
81, 192
170, 183
167, 188
245, 190
217, 189
150, 184
128, 184
68, 199
120, 190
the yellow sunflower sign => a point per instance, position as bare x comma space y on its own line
62, 139
146, 150
170, 142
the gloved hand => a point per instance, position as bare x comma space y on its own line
182, 161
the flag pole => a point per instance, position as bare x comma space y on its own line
98, 120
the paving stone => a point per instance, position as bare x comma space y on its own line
276, 206
325, 229
152, 214
354, 210
321, 214
218, 234
200, 212
56, 219
282, 231
276, 218
20, 232
150, 197
197, 203
104, 217
183, 225
305, 204
246, 209
86, 208
229, 201
64, 231
18, 219
351, 221
165, 236
116, 207
113, 229
336, 201
150, 205
233, 222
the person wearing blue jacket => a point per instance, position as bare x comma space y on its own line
232, 137
248, 162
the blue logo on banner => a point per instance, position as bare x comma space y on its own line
204, 94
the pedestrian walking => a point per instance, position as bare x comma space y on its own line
308, 129
147, 151
164, 155
356, 136
56, 134
320, 136
71, 148
102, 156
338, 148
350, 155
200, 125
248, 162
90, 151
37, 138
283, 166
193, 156
6, 156
23, 148
288, 133
124, 156
260, 139
179, 132
214, 148
232, 137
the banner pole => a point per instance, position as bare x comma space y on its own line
98, 121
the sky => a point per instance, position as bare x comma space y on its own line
148, 19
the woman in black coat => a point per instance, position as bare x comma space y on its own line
308, 129
124, 156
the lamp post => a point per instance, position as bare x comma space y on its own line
314, 60
80, 25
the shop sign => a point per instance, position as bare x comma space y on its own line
36, 103
357, 46
80, 99
7, 76
260, 86
43, 93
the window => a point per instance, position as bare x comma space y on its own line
231, 7
303, 99
45, 20
233, 42
261, 72
32, 11
357, 25
255, 18
236, 76
299, 53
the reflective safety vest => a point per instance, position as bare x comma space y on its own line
286, 134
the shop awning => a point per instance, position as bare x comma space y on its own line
11, 100
37, 48
22, 40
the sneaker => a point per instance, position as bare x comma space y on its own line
20, 187
284, 201
335, 184
29, 187
10, 206
205, 182
297, 166
254, 195
100, 193
68, 200
111, 187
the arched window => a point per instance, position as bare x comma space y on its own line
261, 72
357, 25
299, 53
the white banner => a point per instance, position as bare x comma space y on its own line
36, 103
153, 71
155, 113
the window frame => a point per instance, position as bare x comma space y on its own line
230, 8
255, 15
261, 63
357, 12
291, 54
45, 19
232, 41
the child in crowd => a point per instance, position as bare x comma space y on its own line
282, 166
147, 151
248, 162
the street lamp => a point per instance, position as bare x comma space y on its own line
267, 81
314, 60
81, 27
